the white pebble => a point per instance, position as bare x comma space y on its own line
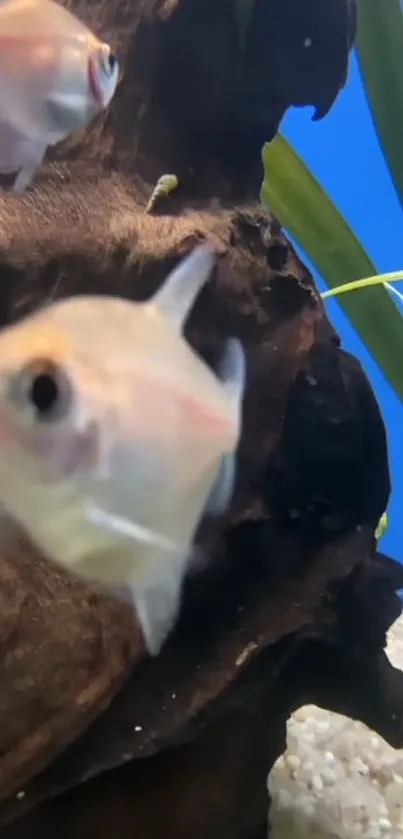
328, 777
300, 715
307, 767
317, 783
284, 799
384, 824
307, 806
293, 761
373, 832
357, 765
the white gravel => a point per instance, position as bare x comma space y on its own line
337, 778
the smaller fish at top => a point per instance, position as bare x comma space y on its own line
55, 77
116, 438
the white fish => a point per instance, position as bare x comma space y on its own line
116, 438
55, 77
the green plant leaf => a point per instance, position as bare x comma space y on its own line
380, 57
294, 196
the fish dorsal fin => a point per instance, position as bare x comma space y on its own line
176, 296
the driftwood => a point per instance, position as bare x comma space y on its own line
294, 603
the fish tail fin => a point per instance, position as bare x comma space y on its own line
176, 296
232, 372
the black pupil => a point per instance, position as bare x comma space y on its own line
112, 60
44, 393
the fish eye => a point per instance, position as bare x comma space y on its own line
108, 59
43, 389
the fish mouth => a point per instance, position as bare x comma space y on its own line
95, 87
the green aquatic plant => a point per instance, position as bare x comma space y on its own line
379, 51
292, 193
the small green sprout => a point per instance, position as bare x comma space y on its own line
383, 525
164, 186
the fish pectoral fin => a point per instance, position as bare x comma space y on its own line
232, 372
30, 166
19, 153
157, 608
221, 494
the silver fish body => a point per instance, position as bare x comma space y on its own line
55, 77
113, 478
